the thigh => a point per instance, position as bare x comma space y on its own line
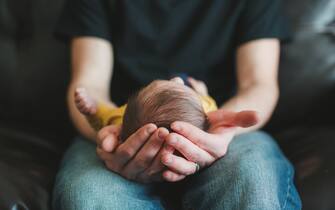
83, 182
254, 174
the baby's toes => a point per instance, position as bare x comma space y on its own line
82, 106
85, 104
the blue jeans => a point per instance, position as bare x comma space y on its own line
254, 174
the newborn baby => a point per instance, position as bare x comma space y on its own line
161, 102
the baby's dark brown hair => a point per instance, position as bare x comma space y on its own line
162, 107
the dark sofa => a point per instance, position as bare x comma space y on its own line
35, 129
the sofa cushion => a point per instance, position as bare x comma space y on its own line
307, 67
311, 151
34, 68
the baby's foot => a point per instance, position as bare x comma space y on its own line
84, 102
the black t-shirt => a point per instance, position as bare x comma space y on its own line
155, 39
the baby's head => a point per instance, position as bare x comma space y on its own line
162, 102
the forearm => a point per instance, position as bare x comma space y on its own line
261, 98
257, 80
92, 61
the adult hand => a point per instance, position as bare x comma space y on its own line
201, 148
138, 158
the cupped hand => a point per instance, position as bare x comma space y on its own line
138, 158
201, 147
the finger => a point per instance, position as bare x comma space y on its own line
155, 171
178, 80
145, 157
221, 116
194, 83
192, 133
246, 119
179, 165
109, 143
189, 150
107, 131
108, 159
157, 166
127, 150
105, 156
171, 176
229, 118
198, 85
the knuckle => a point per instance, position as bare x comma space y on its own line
165, 159
142, 163
151, 173
220, 151
140, 134
173, 137
195, 157
126, 153
109, 165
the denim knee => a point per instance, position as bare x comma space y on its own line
83, 182
80, 191
263, 170
254, 174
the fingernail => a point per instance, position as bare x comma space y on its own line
175, 126
106, 144
162, 134
151, 129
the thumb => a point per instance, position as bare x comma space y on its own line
107, 138
109, 143
242, 119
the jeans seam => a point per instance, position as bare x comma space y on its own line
288, 188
